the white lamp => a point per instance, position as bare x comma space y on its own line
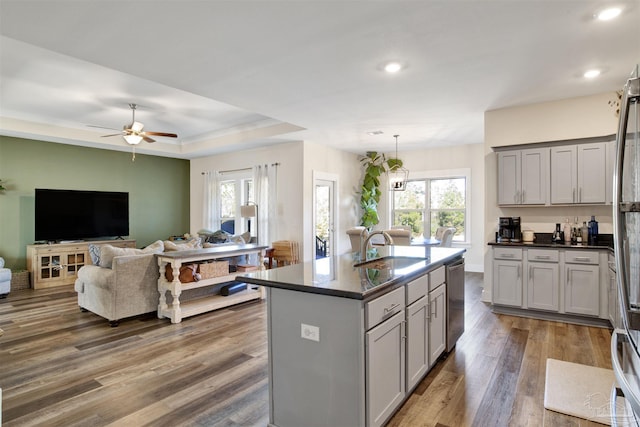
250, 210
132, 139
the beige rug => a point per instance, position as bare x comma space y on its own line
579, 390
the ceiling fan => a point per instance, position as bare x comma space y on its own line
133, 133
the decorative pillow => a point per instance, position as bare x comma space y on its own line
182, 246
1, 262
219, 236
94, 254
108, 252
238, 239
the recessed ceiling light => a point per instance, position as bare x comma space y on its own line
608, 14
591, 74
393, 67
375, 132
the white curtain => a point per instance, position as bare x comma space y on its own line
264, 187
210, 202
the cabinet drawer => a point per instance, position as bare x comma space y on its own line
507, 253
436, 278
384, 307
581, 257
541, 255
417, 289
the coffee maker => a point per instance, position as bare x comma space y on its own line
509, 229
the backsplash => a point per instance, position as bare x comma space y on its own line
544, 219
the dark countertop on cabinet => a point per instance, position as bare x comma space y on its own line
337, 275
605, 242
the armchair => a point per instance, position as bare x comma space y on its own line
119, 287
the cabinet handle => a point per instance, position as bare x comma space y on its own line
391, 308
573, 196
580, 195
582, 258
522, 197
530, 272
542, 257
519, 271
568, 280
506, 255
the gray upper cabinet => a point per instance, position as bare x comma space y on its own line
579, 174
522, 176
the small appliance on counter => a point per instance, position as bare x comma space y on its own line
508, 229
528, 236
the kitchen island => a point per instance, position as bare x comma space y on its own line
348, 343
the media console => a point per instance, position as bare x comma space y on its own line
58, 264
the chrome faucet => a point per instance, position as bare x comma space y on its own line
365, 242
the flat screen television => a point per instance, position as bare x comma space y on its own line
77, 215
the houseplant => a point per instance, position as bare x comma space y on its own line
374, 164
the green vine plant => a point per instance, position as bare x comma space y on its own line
375, 165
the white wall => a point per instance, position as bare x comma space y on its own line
290, 187
445, 159
574, 118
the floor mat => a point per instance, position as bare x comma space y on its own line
579, 390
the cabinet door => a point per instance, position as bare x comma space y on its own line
417, 341
543, 290
535, 166
509, 177
385, 369
592, 172
507, 283
564, 174
582, 289
611, 156
437, 323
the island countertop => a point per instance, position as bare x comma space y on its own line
337, 275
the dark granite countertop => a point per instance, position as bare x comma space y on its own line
337, 276
543, 240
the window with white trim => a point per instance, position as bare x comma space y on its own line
429, 203
235, 190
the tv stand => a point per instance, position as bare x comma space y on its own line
57, 264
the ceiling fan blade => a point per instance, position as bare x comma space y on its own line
113, 134
170, 135
101, 127
147, 139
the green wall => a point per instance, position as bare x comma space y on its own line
158, 189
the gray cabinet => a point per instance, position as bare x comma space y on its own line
417, 330
417, 341
582, 283
385, 369
579, 174
437, 323
543, 288
507, 276
522, 176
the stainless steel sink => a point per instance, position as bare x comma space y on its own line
389, 263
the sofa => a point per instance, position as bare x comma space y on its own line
123, 282
5, 280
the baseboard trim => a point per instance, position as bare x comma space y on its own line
556, 317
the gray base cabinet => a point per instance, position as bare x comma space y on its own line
417, 341
582, 289
385, 367
437, 323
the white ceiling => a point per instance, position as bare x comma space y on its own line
229, 75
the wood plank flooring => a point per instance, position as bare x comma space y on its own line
62, 367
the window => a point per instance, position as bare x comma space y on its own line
430, 203
235, 191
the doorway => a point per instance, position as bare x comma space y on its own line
324, 214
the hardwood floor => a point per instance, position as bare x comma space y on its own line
62, 367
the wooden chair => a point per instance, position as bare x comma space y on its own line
285, 252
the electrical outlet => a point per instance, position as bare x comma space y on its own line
309, 332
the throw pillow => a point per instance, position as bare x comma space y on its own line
182, 246
94, 254
108, 252
219, 236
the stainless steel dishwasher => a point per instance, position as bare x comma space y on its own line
455, 302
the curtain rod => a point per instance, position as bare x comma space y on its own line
240, 170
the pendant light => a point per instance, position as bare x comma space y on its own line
397, 174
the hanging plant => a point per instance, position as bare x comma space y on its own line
374, 166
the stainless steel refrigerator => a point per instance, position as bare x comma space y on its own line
625, 342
